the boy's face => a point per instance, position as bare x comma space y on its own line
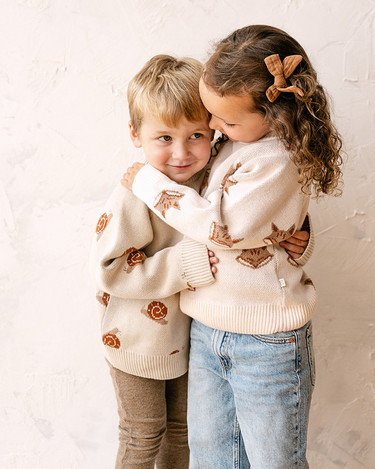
179, 152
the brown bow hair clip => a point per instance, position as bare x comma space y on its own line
281, 71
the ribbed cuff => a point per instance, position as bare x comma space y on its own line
196, 263
310, 246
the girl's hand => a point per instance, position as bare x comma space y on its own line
296, 245
213, 260
128, 177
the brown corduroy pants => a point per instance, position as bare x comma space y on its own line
153, 427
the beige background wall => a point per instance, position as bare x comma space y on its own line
64, 68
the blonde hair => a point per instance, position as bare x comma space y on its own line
237, 68
166, 88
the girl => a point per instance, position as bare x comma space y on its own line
251, 360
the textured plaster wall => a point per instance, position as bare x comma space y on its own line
64, 68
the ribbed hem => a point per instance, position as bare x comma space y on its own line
310, 246
249, 319
162, 367
196, 263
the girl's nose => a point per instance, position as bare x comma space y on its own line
214, 123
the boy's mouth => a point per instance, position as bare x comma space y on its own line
181, 168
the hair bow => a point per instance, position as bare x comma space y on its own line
281, 71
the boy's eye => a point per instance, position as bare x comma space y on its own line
165, 138
196, 135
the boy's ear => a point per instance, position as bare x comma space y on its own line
133, 135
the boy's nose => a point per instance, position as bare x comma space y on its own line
181, 150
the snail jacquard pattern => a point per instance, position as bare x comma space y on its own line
157, 311
111, 340
103, 298
143, 331
135, 257
102, 224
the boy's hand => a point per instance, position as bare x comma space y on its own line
128, 177
296, 244
213, 260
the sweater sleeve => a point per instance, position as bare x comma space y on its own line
258, 202
121, 268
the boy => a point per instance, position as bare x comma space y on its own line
140, 264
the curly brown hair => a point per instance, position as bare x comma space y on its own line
237, 68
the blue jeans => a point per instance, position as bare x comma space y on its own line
249, 398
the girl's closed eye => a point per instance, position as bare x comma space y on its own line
229, 125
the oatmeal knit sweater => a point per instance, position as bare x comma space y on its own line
251, 200
140, 265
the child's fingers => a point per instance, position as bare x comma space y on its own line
294, 255
294, 241
300, 238
297, 249
126, 182
212, 258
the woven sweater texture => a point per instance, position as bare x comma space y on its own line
250, 201
140, 265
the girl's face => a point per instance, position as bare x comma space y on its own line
232, 115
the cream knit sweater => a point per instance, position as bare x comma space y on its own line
251, 201
140, 265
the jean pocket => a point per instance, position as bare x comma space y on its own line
310, 352
279, 338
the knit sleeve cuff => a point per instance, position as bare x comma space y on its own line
310, 246
196, 263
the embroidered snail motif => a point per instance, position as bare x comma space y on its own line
102, 224
103, 298
157, 311
135, 257
111, 340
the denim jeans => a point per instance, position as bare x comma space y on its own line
249, 398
